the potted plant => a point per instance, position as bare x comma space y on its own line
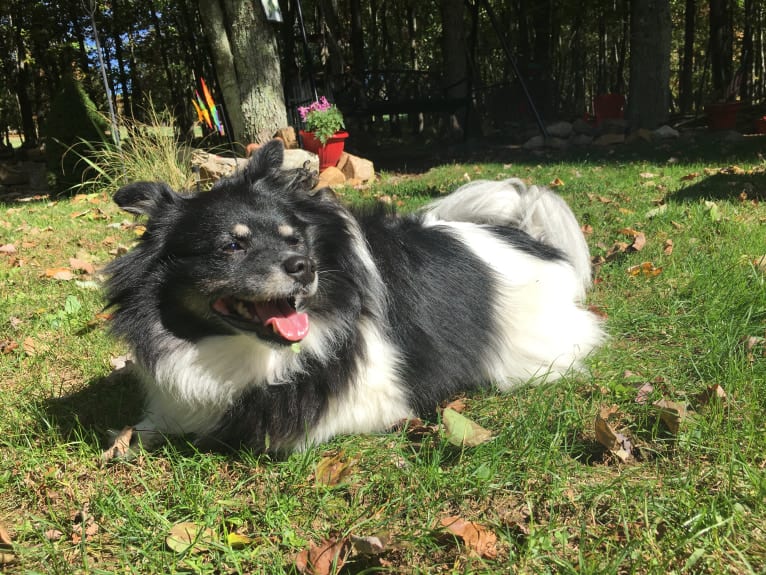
324, 134
722, 113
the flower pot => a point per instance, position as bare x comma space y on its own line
722, 116
760, 125
608, 107
330, 153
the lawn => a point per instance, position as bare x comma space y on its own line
651, 463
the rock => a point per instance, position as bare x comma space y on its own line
288, 137
609, 139
213, 167
297, 158
38, 175
581, 139
613, 126
640, 135
556, 143
330, 177
560, 130
356, 168
12, 175
534, 143
580, 126
665, 133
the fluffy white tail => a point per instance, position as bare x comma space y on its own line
538, 211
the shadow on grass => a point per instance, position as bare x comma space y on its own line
103, 404
724, 186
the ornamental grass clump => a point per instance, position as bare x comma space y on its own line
322, 118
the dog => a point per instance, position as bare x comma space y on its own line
265, 314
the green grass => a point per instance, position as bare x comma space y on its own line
557, 501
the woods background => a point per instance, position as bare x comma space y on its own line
427, 57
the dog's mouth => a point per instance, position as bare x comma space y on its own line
275, 320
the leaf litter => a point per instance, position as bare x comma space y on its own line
478, 540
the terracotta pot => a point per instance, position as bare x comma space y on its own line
330, 153
722, 116
608, 107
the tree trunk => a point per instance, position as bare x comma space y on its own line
23, 80
746, 60
244, 48
455, 66
648, 100
685, 80
721, 47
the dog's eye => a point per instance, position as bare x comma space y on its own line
233, 247
293, 241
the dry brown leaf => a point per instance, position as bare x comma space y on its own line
120, 446
646, 175
84, 524
188, 537
370, 544
30, 346
335, 469
667, 247
671, 413
53, 535
607, 436
456, 405
327, 558
690, 176
643, 393
7, 249
713, 393
639, 241
760, 263
479, 540
617, 249
557, 182
645, 269
61, 274
81, 265
8, 345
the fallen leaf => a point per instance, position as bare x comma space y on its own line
84, 524
81, 265
463, 432
53, 535
645, 269
667, 247
327, 558
120, 362
760, 263
671, 413
30, 347
369, 545
690, 176
189, 537
557, 182
7, 555
334, 470
479, 540
639, 241
61, 274
630, 232
713, 392
656, 211
586, 229
7, 249
457, 404
643, 393
712, 209
238, 541
8, 345
607, 436
120, 446
646, 175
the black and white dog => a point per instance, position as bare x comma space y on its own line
267, 315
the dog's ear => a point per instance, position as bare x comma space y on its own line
146, 198
266, 158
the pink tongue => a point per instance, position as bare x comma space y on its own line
289, 323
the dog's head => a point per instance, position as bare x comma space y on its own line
237, 259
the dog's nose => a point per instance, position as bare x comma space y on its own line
300, 268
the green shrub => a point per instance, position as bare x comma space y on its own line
72, 122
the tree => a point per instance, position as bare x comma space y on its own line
648, 102
244, 49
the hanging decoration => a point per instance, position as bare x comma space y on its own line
207, 111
